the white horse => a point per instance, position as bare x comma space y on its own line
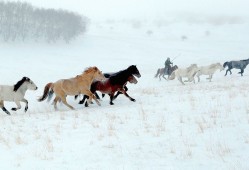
209, 70
16, 93
188, 72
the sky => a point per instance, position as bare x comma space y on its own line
106, 9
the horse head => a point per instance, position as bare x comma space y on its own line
134, 71
132, 79
96, 73
219, 66
27, 82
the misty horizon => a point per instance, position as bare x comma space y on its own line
100, 10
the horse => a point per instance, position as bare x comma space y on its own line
73, 86
161, 72
188, 72
16, 93
209, 70
241, 64
116, 83
105, 87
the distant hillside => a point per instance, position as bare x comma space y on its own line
21, 21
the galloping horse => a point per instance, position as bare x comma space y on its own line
161, 72
116, 83
16, 93
73, 86
188, 72
105, 87
241, 64
209, 70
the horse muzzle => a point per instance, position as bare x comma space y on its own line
137, 75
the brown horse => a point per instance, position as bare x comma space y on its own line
161, 72
106, 87
73, 86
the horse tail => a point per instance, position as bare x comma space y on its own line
47, 93
225, 64
157, 73
172, 76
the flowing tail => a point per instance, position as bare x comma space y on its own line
172, 76
48, 92
225, 64
157, 73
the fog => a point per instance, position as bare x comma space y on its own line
148, 9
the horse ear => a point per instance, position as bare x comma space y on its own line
26, 79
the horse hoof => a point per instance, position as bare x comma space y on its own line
80, 102
14, 109
133, 100
111, 103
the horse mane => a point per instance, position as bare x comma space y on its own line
90, 69
19, 83
213, 65
190, 67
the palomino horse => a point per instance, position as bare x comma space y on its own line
161, 72
105, 87
73, 86
188, 72
241, 64
16, 93
209, 70
116, 83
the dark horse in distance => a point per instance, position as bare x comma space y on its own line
241, 64
161, 72
115, 83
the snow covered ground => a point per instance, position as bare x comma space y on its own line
170, 126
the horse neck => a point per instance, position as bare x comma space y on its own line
87, 77
22, 89
121, 78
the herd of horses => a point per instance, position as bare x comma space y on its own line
113, 84
193, 70
87, 83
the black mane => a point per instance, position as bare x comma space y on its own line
19, 83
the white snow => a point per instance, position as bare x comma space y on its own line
170, 126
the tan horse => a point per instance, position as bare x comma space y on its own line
74, 86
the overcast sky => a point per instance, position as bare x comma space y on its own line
103, 9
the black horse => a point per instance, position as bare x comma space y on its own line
116, 82
241, 64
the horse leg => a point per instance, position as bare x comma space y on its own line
83, 100
164, 77
18, 106
229, 71
242, 71
118, 93
3, 108
198, 76
25, 101
63, 99
97, 96
111, 98
56, 99
180, 79
91, 96
210, 77
124, 92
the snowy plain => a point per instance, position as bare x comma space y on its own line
170, 126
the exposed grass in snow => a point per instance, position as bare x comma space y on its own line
170, 126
